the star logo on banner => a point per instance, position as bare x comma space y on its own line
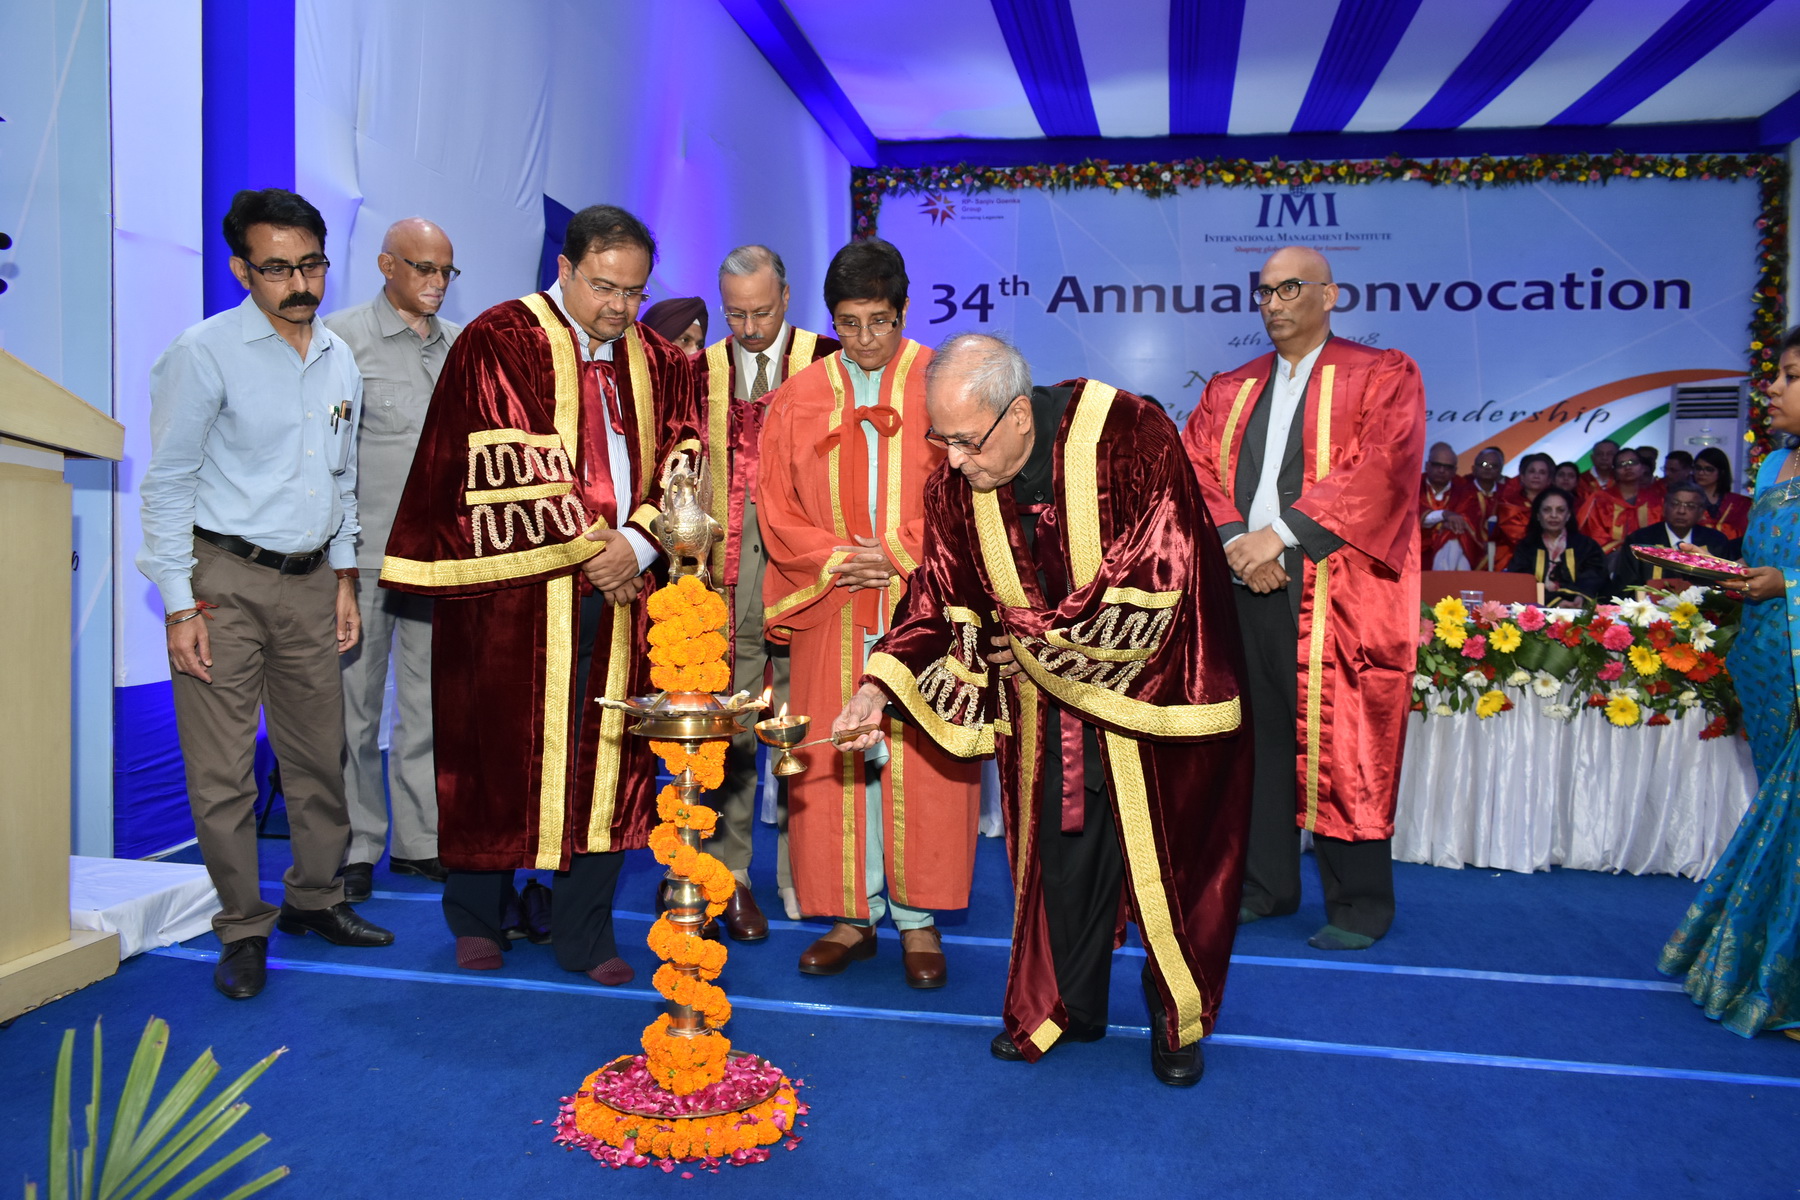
938, 208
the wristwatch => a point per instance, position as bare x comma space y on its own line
348, 573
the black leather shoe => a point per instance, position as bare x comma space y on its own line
359, 882
1004, 1049
534, 906
425, 868
338, 925
1177, 1068
243, 967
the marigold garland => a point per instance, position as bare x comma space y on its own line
708, 763
684, 1065
687, 651
622, 1139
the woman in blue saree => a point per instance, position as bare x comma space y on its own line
1737, 944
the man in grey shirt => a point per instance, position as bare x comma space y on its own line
400, 345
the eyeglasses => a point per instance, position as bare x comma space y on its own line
963, 445
741, 318
313, 268
878, 328
427, 268
1287, 289
605, 290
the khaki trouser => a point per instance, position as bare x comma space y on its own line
274, 648
750, 656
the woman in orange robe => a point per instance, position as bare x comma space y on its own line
1516, 497
827, 537
1629, 503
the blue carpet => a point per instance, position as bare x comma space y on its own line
1509, 1037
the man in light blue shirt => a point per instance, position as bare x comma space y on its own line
251, 488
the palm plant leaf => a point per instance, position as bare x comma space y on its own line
197, 1128
143, 1156
195, 1080
223, 1165
59, 1120
140, 1081
258, 1184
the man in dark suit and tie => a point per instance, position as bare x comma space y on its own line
1681, 512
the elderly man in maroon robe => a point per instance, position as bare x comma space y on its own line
1306, 458
1072, 613
527, 515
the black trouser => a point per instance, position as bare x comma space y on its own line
581, 908
1358, 877
1083, 874
581, 923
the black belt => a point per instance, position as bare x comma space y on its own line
287, 564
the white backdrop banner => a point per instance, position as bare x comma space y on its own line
1542, 317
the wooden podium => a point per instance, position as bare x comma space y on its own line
41, 424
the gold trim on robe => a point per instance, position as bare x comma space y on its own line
1081, 471
718, 436
1321, 615
536, 491
609, 753
962, 741
497, 568
559, 676
1226, 465
1157, 926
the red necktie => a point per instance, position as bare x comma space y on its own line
603, 371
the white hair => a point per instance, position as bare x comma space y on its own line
991, 368
748, 260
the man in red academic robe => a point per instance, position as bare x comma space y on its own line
840, 497
1632, 501
1452, 533
527, 515
1305, 457
737, 374
1488, 482
1073, 613
1600, 473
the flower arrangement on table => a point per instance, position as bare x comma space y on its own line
686, 1098
1662, 653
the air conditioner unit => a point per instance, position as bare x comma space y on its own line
1711, 414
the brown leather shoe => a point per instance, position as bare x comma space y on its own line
742, 919
925, 968
826, 957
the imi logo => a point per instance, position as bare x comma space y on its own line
1296, 209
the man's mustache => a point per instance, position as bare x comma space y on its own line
299, 300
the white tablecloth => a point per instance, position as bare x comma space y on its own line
148, 904
1524, 792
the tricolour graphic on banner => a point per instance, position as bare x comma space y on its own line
1543, 317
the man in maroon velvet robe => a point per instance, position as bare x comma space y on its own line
1072, 612
527, 515
1306, 459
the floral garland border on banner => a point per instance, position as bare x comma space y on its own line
868, 185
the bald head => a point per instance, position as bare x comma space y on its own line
415, 293
1299, 321
1299, 262
1440, 465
